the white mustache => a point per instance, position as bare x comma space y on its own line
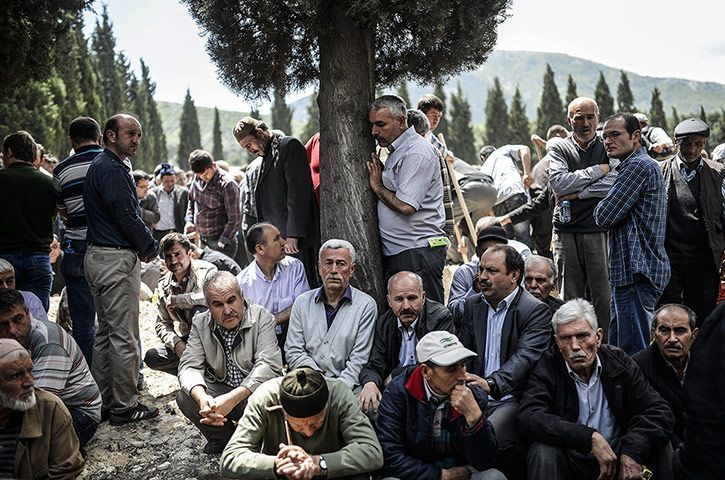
574, 355
333, 276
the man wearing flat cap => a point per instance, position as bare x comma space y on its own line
431, 425
299, 426
281, 190
694, 236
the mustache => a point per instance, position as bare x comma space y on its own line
575, 355
333, 276
407, 311
676, 345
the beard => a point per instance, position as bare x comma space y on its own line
17, 404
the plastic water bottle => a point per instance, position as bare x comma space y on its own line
565, 211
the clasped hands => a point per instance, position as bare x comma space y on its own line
296, 464
214, 410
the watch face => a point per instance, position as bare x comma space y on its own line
323, 463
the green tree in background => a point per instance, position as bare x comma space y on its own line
153, 129
313, 119
113, 82
497, 116
570, 90
550, 111
254, 114
657, 111
675, 117
189, 135
603, 97
33, 109
403, 93
217, 151
439, 91
281, 113
460, 133
718, 129
625, 98
703, 115
519, 126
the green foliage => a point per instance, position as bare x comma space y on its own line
703, 115
189, 134
313, 119
550, 111
518, 121
570, 90
603, 97
403, 93
111, 68
218, 151
460, 139
657, 111
155, 138
33, 109
675, 117
497, 117
625, 98
281, 113
440, 92
717, 135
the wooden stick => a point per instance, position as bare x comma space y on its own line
278, 408
459, 194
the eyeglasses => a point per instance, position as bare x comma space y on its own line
613, 135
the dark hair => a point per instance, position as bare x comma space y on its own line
84, 129
631, 124
255, 236
429, 101
556, 131
10, 298
514, 260
171, 239
487, 151
691, 315
22, 145
112, 125
139, 175
200, 161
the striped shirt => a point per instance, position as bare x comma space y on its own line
68, 178
60, 368
9, 443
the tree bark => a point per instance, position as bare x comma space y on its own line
348, 207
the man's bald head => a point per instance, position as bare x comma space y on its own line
583, 116
406, 296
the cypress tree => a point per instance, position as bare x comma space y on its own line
550, 110
403, 93
625, 98
217, 152
440, 92
570, 90
519, 122
657, 111
32, 109
497, 117
281, 113
313, 118
189, 133
91, 104
703, 115
138, 106
460, 131
675, 117
113, 84
156, 138
603, 97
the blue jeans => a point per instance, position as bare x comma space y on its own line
632, 309
32, 273
80, 299
84, 425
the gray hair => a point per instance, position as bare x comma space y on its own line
395, 105
220, 277
6, 266
334, 244
579, 100
419, 121
413, 274
537, 259
574, 310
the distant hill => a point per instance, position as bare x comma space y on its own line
525, 69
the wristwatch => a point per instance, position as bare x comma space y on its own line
491, 384
323, 466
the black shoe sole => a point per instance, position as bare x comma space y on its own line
119, 420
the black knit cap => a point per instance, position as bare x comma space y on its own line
303, 393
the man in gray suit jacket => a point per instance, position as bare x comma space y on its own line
173, 201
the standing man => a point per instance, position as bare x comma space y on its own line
173, 203
283, 194
410, 197
694, 237
118, 242
579, 171
635, 212
26, 219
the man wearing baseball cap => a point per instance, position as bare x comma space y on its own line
431, 425
694, 236
299, 426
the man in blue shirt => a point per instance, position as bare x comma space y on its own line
635, 212
117, 239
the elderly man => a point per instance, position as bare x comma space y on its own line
694, 237
664, 362
283, 194
7, 280
118, 242
231, 351
173, 203
432, 424
409, 188
214, 211
588, 410
38, 440
397, 332
509, 330
302, 426
540, 279
59, 365
180, 298
331, 327
580, 172
273, 279
635, 212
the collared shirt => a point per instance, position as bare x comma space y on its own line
635, 212
214, 207
594, 411
413, 172
443, 454
234, 376
689, 175
494, 327
166, 209
501, 166
407, 355
330, 311
684, 370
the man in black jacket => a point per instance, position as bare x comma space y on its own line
397, 332
588, 410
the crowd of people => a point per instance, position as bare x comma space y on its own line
597, 358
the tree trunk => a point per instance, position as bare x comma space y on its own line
347, 87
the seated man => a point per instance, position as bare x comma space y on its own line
331, 327
300, 426
431, 424
664, 362
180, 298
37, 438
397, 332
273, 280
7, 280
540, 279
509, 329
587, 408
231, 351
59, 364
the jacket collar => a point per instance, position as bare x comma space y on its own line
32, 427
416, 389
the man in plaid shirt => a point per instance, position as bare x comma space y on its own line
635, 212
214, 210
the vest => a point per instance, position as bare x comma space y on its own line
686, 235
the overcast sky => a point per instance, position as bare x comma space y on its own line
663, 38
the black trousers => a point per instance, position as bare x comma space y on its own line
694, 284
426, 262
